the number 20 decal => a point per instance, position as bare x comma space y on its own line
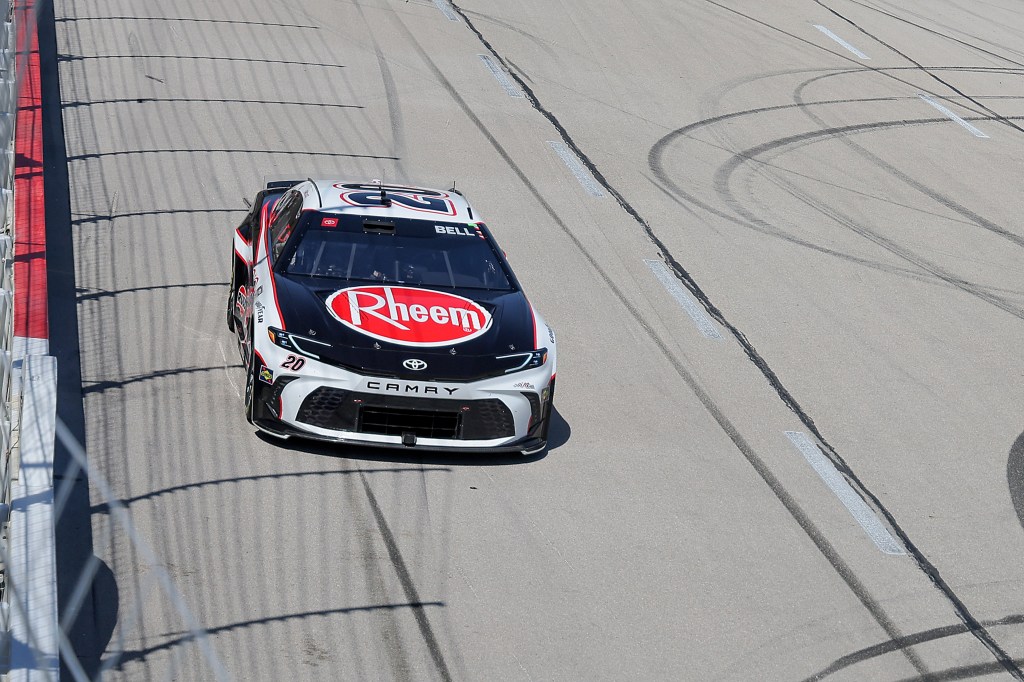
293, 362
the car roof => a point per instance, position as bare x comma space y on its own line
363, 198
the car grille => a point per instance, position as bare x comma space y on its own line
339, 410
328, 408
396, 422
487, 419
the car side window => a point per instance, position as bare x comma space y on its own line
249, 224
286, 215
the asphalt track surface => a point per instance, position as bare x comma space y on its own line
857, 250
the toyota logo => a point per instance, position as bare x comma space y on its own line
414, 364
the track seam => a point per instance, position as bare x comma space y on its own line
961, 610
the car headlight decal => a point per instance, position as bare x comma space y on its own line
530, 360
294, 342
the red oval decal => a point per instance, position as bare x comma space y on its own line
409, 316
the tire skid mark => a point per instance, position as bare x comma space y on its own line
723, 181
970, 622
991, 112
882, 71
398, 147
968, 214
539, 42
940, 34
408, 586
361, 545
676, 193
656, 163
891, 646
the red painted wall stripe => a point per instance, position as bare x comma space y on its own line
29, 206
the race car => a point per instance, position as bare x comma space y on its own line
385, 315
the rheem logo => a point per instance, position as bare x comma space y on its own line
408, 316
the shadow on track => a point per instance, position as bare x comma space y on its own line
99, 619
1015, 476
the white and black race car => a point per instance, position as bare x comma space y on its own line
388, 316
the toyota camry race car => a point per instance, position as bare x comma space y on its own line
388, 316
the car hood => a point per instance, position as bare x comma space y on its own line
459, 334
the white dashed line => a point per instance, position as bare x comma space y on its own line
447, 10
848, 46
503, 78
577, 169
857, 507
953, 117
671, 284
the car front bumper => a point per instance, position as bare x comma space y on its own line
328, 403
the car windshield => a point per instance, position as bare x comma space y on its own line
410, 252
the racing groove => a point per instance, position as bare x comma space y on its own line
856, 248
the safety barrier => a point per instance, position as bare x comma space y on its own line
28, 608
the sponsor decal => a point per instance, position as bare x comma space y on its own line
409, 317
551, 334
242, 301
266, 376
259, 311
329, 222
409, 388
451, 229
524, 384
369, 196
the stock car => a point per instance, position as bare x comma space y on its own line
386, 315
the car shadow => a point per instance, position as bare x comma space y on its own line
558, 435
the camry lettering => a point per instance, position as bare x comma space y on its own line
408, 388
409, 316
